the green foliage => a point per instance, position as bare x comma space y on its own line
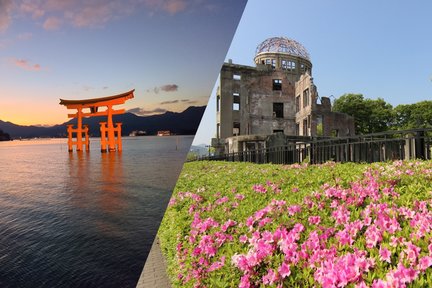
417, 115
320, 131
192, 156
371, 116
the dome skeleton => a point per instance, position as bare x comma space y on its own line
282, 45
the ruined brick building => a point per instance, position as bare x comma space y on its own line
277, 95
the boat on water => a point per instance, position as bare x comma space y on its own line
137, 133
164, 133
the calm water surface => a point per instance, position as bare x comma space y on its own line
83, 219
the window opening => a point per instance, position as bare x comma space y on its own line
320, 127
278, 110
236, 101
297, 103
236, 128
305, 127
291, 65
306, 97
334, 133
277, 84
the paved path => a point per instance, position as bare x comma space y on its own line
154, 272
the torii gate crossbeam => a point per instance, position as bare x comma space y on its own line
109, 141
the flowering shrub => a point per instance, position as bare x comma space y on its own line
329, 225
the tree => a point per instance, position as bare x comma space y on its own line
4, 136
370, 116
410, 116
381, 117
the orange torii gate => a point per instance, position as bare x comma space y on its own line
109, 141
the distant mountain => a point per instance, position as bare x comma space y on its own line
184, 123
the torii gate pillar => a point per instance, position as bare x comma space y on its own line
110, 135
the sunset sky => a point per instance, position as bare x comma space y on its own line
170, 51
376, 48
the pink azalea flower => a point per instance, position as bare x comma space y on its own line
264, 221
424, 263
217, 265
227, 224
314, 220
292, 210
373, 236
411, 252
284, 270
385, 254
222, 200
362, 284
259, 188
244, 282
341, 215
250, 221
270, 278
380, 284
243, 239
344, 238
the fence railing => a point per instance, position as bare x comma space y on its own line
392, 145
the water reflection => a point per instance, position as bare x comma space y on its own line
112, 171
82, 219
101, 177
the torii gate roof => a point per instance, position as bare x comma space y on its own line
115, 100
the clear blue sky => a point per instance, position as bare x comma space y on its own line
376, 48
170, 51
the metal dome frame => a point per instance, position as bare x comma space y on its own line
282, 45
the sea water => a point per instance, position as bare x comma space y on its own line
83, 219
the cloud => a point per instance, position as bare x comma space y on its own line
169, 88
190, 101
168, 6
5, 14
52, 23
77, 13
165, 88
142, 112
34, 8
60, 5
26, 65
94, 13
178, 101
174, 6
169, 102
